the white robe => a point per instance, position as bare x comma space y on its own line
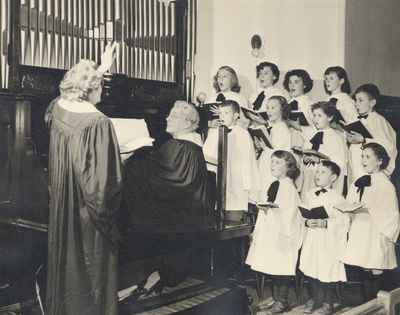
278, 234
323, 247
335, 147
382, 133
345, 104
298, 137
268, 92
280, 139
243, 181
372, 235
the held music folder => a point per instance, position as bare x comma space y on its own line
314, 213
297, 115
358, 127
260, 134
258, 117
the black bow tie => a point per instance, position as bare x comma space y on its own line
322, 190
333, 101
361, 183
317, 140
294, 105
365, 116
220, 97
273, 191
259, 100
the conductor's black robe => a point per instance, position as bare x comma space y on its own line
85, 194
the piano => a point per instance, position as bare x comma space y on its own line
24, 200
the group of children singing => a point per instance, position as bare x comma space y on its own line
314, 163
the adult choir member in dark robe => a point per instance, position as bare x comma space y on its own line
169, 190
85, 192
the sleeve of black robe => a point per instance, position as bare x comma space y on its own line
101, 178
169, 190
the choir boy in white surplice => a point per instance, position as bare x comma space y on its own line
337, 85
279, 137
381, 131
327, 141
374, 231
299, 83
325, 240
242, 173
267, 77
278, 232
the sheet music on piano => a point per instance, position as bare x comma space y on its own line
132, 134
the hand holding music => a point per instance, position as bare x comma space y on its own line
316, 223
354, 137
215, 109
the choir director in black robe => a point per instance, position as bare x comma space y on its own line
168, 190
85, 192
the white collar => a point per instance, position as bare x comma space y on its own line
77, 107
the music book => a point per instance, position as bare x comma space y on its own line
297, 115
132, 134
301, 151
346, 206
339, 116
313, 213
358, 127
258, 117
268, 205
261, 135
206, 111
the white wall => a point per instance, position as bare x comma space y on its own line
305, 34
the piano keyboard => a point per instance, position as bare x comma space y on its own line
187, 303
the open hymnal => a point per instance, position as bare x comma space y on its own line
313, 213
298, 115
260, 134
257, 117
132, 134
358, 127
267, 205
301, 151
209, 111
347, 206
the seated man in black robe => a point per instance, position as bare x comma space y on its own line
169, 190
166, 191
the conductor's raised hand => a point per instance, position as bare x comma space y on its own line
108, 57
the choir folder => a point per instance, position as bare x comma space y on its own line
313, 213
358, 127
297, 115
260, 134
258, 117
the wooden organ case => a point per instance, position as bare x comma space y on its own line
39, 41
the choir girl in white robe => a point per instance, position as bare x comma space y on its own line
327, 141
243, 182
267, 77
381, 131
226, 85
325, 240
278, 232
374, 231
299, 83
279, 136
337, 86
